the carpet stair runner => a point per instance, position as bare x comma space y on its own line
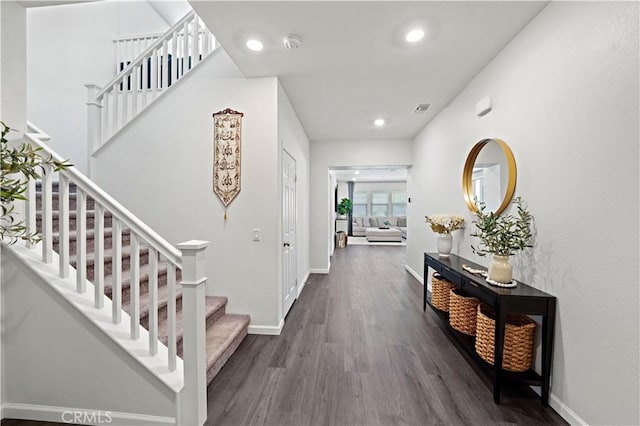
225, 331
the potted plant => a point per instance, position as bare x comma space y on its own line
502, 236
444, 225
344, 208
18, 165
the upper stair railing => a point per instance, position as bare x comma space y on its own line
146, 77
188, 257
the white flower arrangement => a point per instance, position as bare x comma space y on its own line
445, 223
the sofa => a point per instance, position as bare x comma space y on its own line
359, 225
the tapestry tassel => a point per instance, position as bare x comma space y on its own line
225, 214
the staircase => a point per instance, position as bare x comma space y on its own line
224, 332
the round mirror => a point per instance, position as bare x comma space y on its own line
489, 176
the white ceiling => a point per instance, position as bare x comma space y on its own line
372, 174
170, 10
354, 65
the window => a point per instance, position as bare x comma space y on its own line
359, 204
399, 203
379, 203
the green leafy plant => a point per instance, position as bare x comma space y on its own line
503, 235
344, 207
18, 165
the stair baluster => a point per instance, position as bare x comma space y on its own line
81, 241
47, 213
98, 266
30, 209
63, 221
116, 292
171, 318
134, 304
153, 301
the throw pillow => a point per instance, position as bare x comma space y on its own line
402, 221
358, 221
393, 221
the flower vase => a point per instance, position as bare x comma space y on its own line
500, 269
445, 243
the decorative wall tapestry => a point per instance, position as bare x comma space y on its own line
227, 142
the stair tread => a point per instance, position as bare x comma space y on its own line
163, 299
144, 274
73, 213
212, 305
222, 334
90, 232
108, 254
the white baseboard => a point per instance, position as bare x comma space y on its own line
415, 274
267, 330
565, 412
81, 415
303, 283
318, 271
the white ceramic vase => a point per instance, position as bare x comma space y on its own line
445, 243
500, 269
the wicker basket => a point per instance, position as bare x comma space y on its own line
518, 339
462, 312
440, 288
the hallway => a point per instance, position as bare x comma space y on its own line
358, 350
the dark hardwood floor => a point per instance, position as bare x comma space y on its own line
357, 349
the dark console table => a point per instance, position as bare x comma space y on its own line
522, 299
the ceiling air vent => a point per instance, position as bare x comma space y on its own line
421, 108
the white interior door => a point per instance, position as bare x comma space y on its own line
289, 279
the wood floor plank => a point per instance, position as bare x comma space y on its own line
357, 349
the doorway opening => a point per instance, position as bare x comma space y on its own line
377, 197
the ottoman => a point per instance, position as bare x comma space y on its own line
384, 234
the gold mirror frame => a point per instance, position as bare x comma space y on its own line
467, 175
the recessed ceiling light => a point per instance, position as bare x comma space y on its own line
255, 45
354, 179
415, 35
357, 172
379, 122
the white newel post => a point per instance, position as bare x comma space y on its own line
94, 124
193, 406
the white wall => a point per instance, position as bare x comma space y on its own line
12, 46
12, 101
162, 170
67, 47
380, 186
343, 190
565, 94
293, 138
54, 356
330, 154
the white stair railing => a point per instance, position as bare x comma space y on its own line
168, 59
189, 259
129, 48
